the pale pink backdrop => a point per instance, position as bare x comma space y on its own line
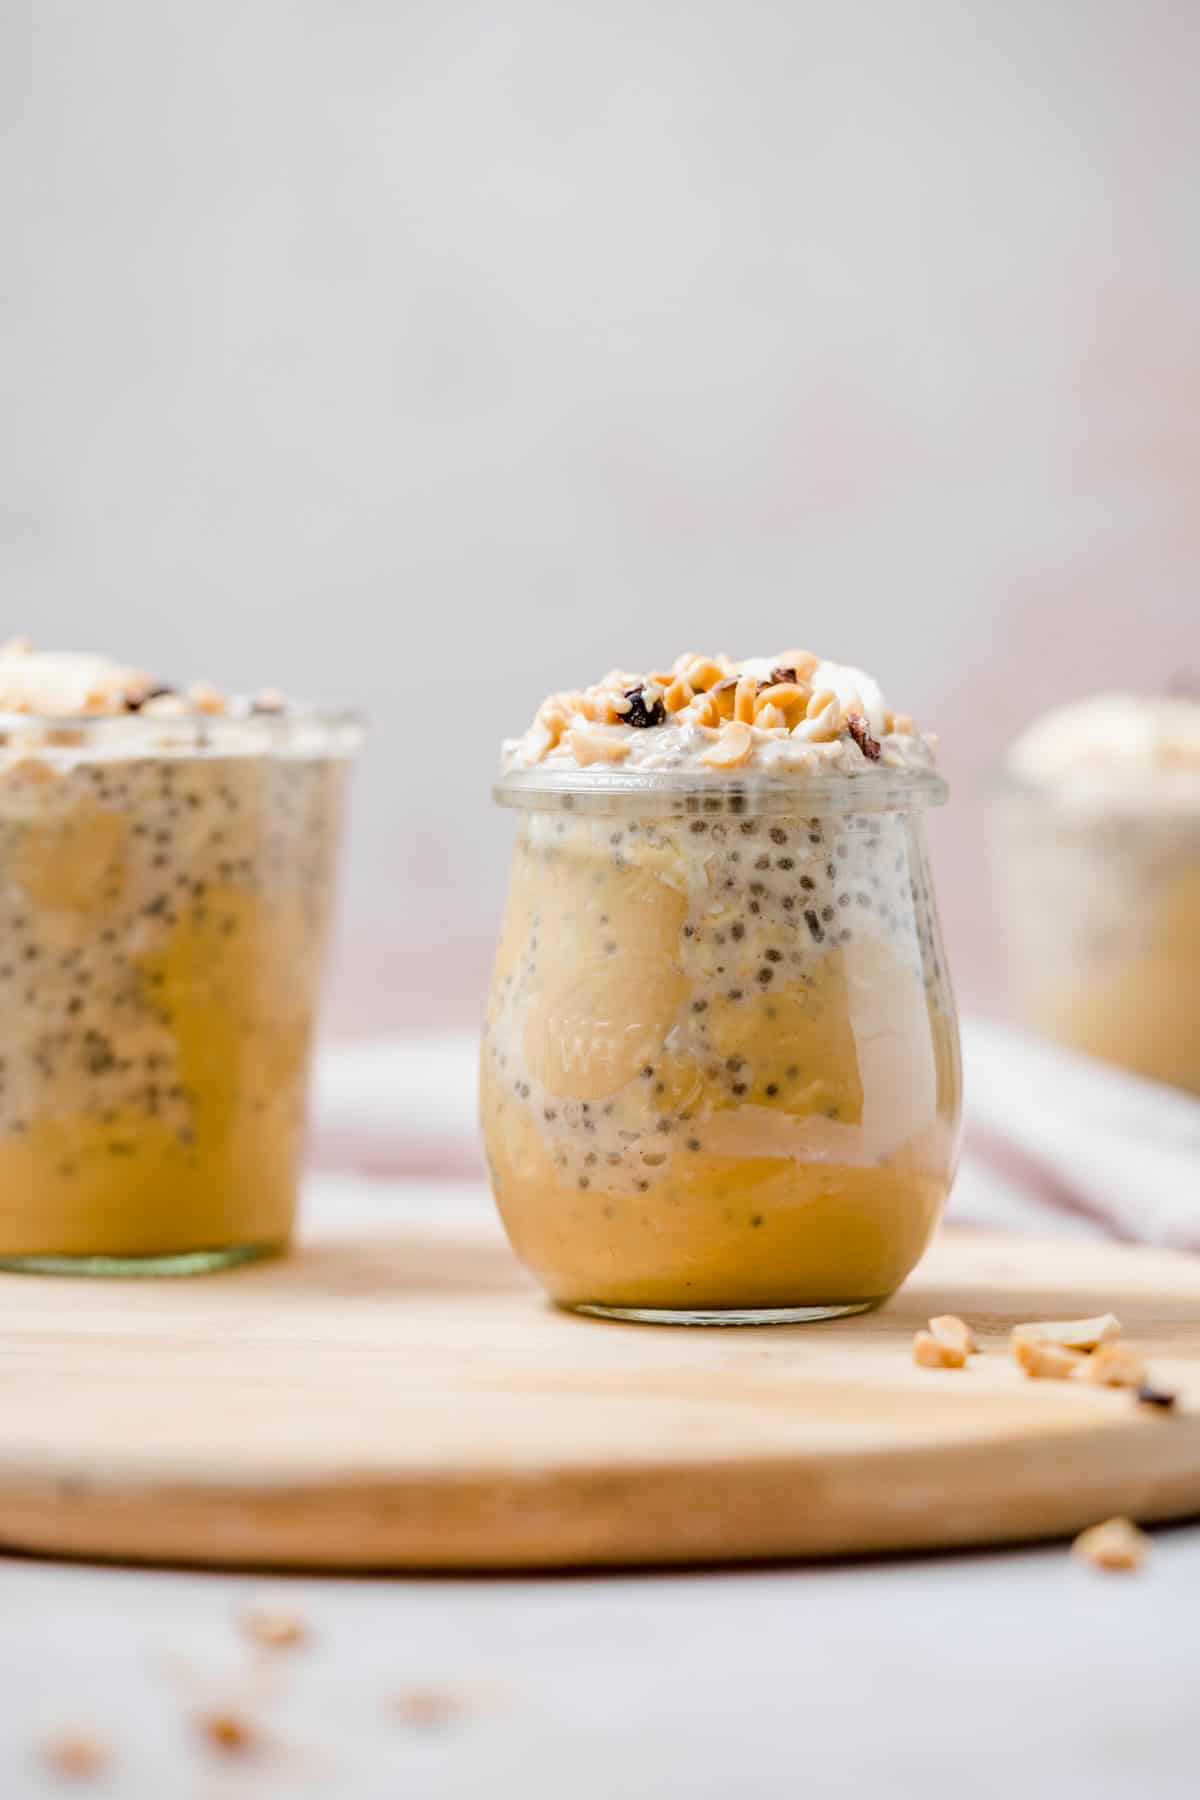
427, 357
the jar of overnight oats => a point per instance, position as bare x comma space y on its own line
166, 869
1096, 833
720, 1070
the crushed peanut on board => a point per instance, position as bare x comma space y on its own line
1116, 1544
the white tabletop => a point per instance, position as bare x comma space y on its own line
1015, 1674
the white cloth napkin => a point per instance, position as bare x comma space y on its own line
1055, 1140
1054, 1143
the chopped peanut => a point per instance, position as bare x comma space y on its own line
1116, 1544
547, 732
720, 698
227, 1730
166, 706
1074, 1334
930, 1352
270, 699
429, 1707
732, 748
592, 746
1042, 1361
277, 1627
1114, 1365
822, 721
703, 672
800, 662
784, 693
82, 1753
204, 697
948, 1328
744, 697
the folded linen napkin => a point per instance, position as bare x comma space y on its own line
1055, 1143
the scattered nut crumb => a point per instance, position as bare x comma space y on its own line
930, 1352
595, 745
1114, 1365
227, 1730
165, 706
1042, 1361
1149, 1395
1117, 1544
1074, 1334
277, 1627
948, 1328
77, 1753
429, 1707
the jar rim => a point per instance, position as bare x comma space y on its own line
656, 793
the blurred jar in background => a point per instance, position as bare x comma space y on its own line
1096, 832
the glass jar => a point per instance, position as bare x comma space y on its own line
720, 1071
1102, 908
165, 889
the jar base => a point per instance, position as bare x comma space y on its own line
172, 1263
721, 1315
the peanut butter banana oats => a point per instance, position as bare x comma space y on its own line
720, 1069
1097, 844
166, 866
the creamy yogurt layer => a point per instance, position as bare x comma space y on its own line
791, 713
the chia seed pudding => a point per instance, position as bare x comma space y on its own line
1097, 848
166, 870
720, 1071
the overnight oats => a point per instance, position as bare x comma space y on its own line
166, 868
1097, 839
720, 1076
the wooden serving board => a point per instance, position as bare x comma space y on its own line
404, 1398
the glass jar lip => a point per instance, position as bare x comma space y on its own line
299, 731
655, 793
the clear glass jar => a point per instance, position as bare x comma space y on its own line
165, 889
720, 1072
1102, 909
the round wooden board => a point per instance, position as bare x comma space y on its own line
403, 1398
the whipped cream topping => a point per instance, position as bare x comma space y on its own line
793, 713
64, 684
1112, 746
71, 684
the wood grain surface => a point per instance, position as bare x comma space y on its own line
403, 1397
